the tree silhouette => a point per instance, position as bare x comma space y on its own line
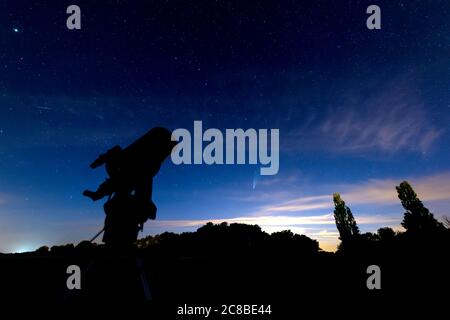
417, 218
386, 234
447, 222
43, 249
287, 242
345, 222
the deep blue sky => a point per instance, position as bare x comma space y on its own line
358, 110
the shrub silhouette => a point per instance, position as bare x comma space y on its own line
62, 250
293, 244
42, 250
386, 234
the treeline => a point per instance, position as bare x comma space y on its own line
209, 240
230, 239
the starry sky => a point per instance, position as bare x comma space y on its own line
358, 110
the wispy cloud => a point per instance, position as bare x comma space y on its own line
429, 188
389, 119
301, 204
374, 191
276, 221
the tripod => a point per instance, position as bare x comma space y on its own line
100, 276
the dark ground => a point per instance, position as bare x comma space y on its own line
321, 284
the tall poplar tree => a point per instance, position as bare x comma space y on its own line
345, 222
417, 217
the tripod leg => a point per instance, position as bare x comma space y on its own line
69, 294
144, 280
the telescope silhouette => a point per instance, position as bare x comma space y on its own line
130, 184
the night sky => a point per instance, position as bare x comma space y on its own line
358, 110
